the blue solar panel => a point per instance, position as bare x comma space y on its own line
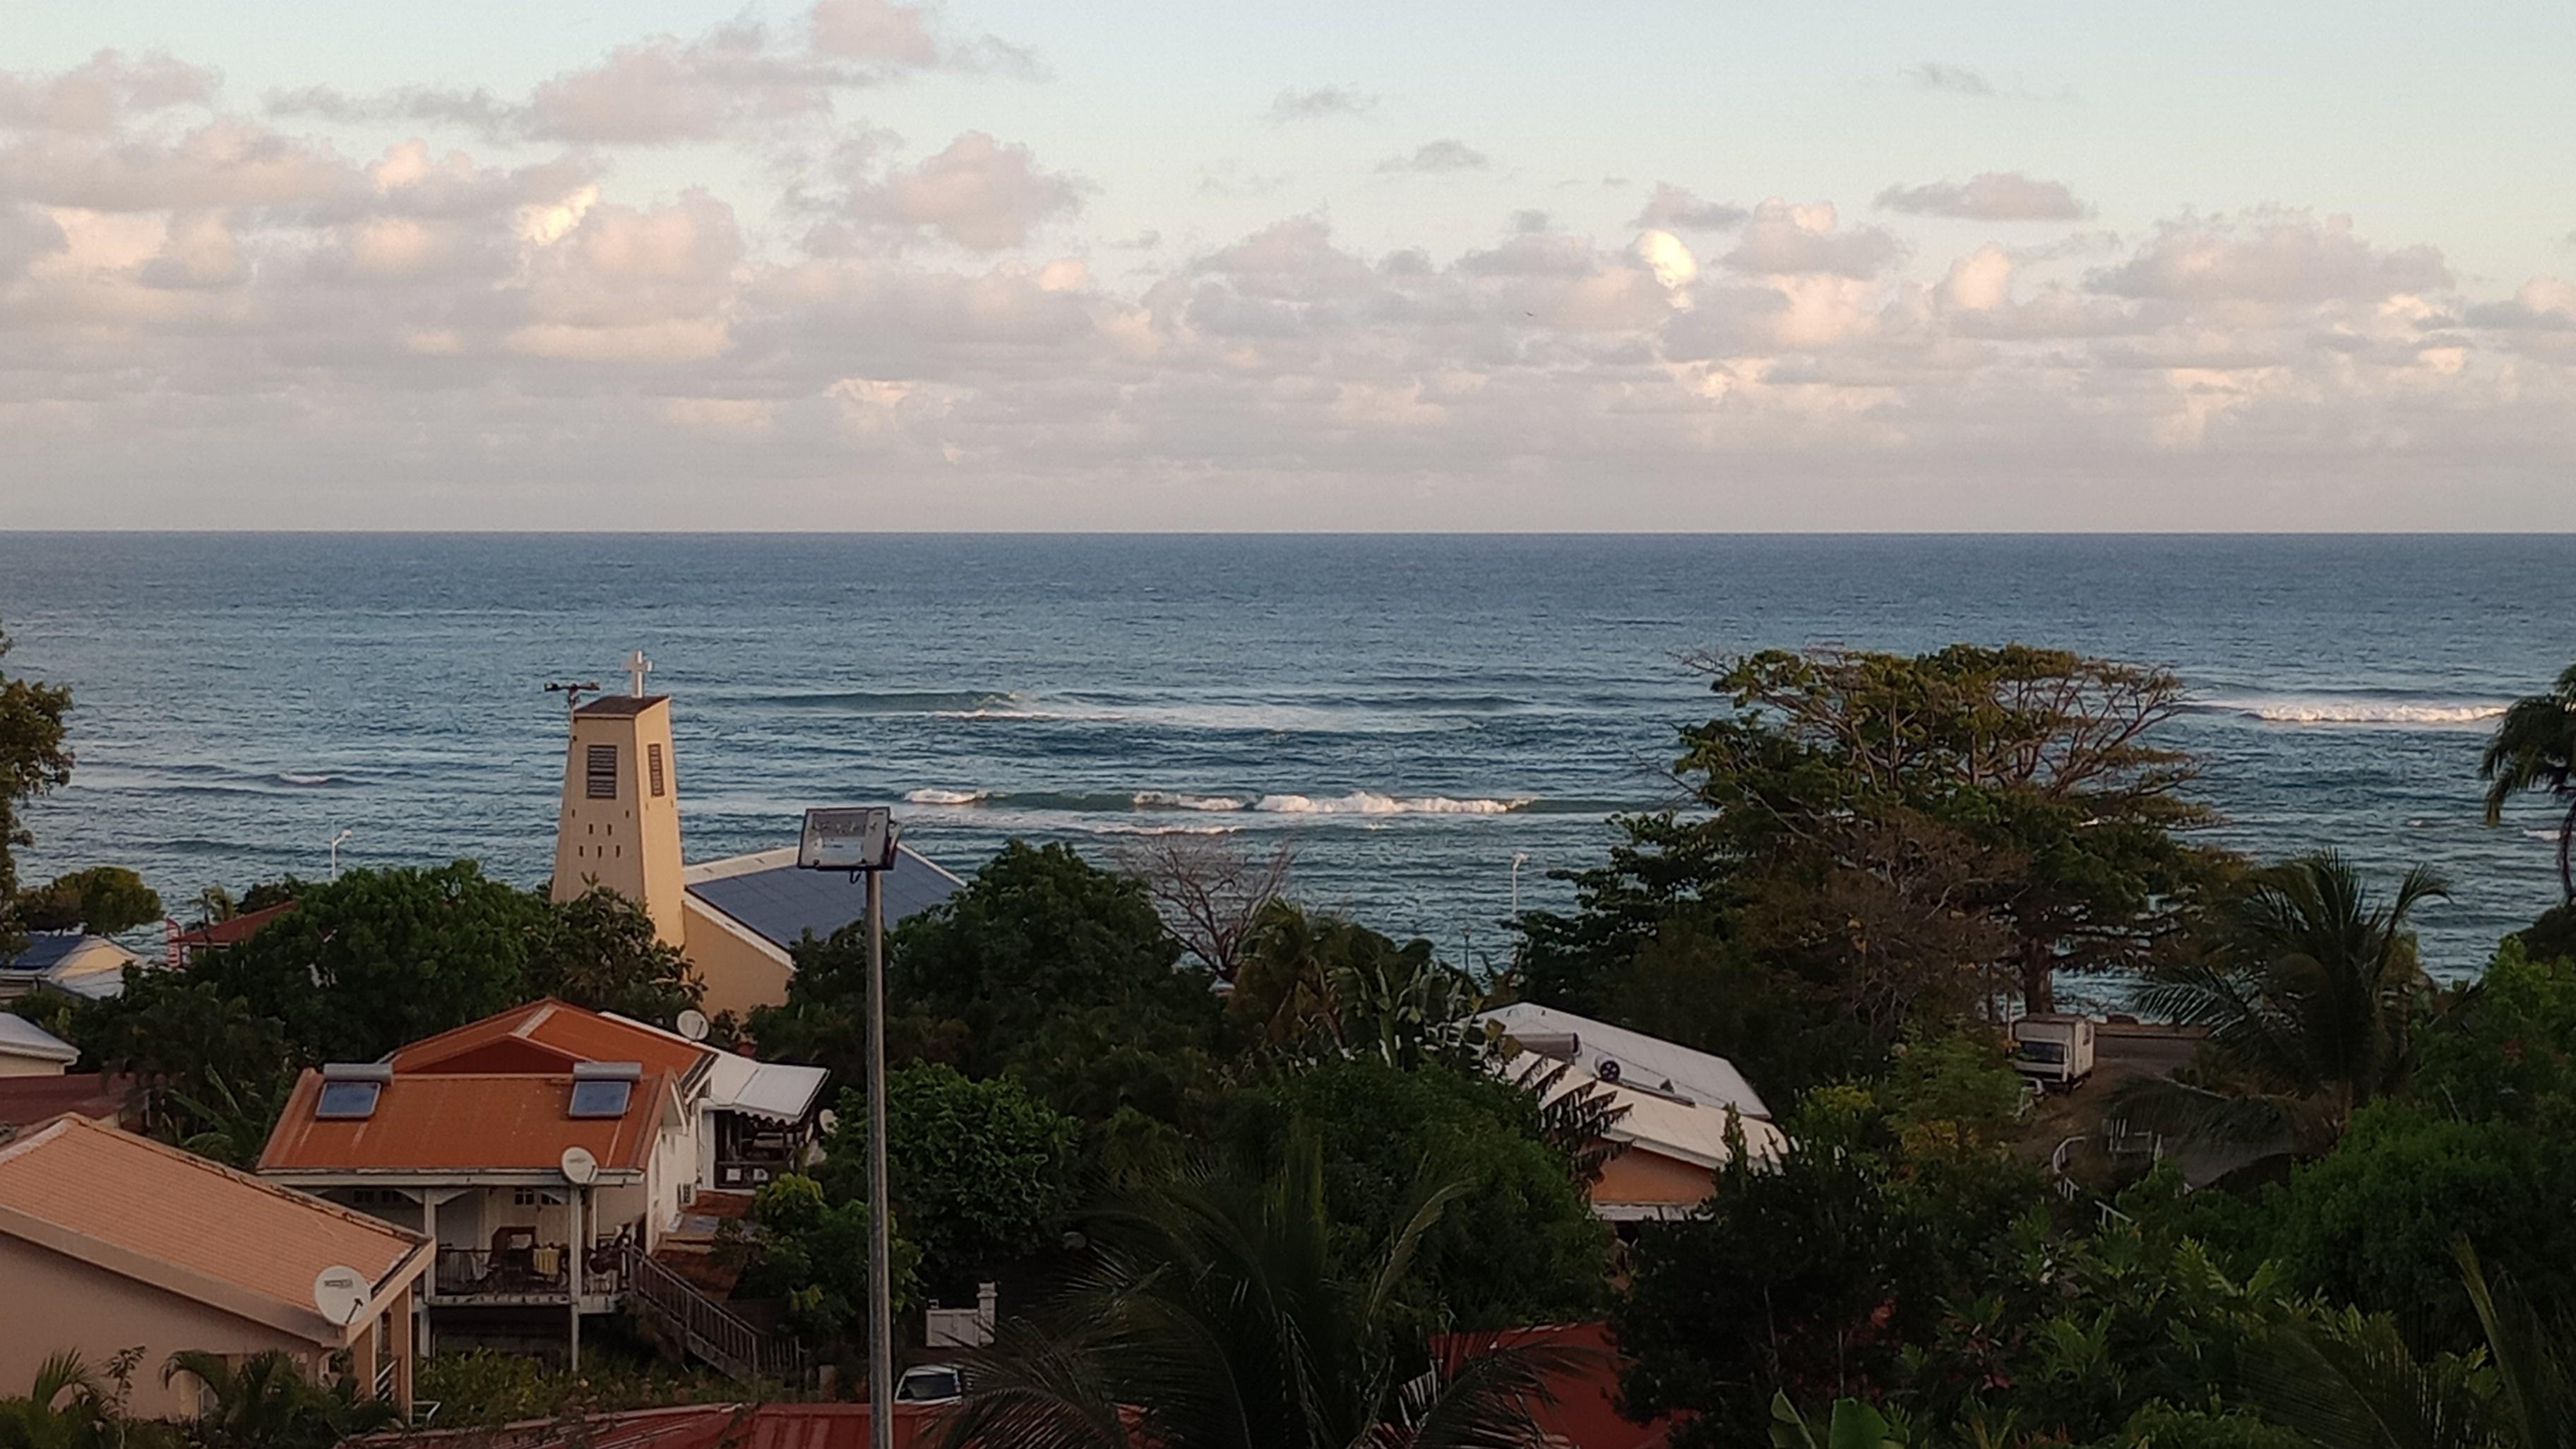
785, 903
45, 950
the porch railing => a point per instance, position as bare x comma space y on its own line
707, 1328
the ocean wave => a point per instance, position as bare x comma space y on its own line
2356, 710
1357, 802
289, 777
1366, 802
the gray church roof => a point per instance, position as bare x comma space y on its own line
769, 894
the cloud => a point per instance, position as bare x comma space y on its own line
1957, 80
1988, 196
95, 97
1781, 239
1437, 158
982, 194
737, 81
1673, 209
1317, 103
2275, 257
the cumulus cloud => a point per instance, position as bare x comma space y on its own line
1988, 196
206, 300
1315, 103
1436, 158
980, 193
738, 80
2270, 257
1781, 239
1673, 209
96, 97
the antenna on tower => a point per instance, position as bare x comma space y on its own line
572, 691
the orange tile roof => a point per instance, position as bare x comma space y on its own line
462, 1122
150, 1211
547, 1035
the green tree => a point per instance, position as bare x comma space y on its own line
378, 958
2310, 994
1317, 984
1044, 966
33, 760
1902, 837
2534, 748
103, 900
1518, 1245
978, 1170
265, 1401
1222, 1316
599, 950
812, 1252
211, 1069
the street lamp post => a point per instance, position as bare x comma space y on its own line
862, 841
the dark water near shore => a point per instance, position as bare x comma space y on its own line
1417, 711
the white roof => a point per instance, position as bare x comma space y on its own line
20, 1037
1644, 1061
736, 1083
1692, 1132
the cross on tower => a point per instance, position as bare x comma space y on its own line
637, 666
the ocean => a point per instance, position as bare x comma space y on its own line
1436, 723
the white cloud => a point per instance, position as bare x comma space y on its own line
1315, 103
1437, 157
1671, 208
1957, 80
1988, 196
980, 193
1782, 239
2274, 257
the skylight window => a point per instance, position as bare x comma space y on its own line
348, 1099
601, 1098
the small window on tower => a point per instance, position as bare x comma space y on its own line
653, 763
603, 772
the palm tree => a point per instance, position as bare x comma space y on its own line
71, 1405
2310, 993
1217, 1319
267, 1402
2351, 1382
2535, 749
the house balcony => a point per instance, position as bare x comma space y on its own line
527, 1274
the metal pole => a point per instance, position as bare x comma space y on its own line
880, 1219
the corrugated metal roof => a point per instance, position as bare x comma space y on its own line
135, 1196
463, 1122
26, 1101
20, 1037
769, 894
1643, 1061
548, 1035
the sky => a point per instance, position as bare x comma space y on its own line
1141, 265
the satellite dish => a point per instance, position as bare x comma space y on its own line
579, 1167
693, 1024
1609, 1071
339, 1295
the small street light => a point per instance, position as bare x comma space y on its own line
335, 853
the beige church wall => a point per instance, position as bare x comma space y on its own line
738, 974
16, 1066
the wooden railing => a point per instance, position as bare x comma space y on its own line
707, 1328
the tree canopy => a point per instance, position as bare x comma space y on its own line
33, 760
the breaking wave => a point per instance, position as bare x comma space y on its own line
1357, 802
2357, 710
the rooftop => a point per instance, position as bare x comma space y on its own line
550, 1036
617, 706
768, 894
464, 1123
132, 1206
20, 1037
26, 1101
232, 930
1635, 1059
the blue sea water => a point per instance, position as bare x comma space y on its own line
1416, 713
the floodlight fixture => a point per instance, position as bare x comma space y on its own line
856, 838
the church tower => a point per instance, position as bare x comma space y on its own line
619, 825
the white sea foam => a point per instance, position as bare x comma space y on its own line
1365, 802
295, 779
944, 797
2332, 710
1175, 800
